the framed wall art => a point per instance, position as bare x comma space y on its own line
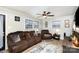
17, 18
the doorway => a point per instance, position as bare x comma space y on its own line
2, 32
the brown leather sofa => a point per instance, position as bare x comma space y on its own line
21, 40
45, 34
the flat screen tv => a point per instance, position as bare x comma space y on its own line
77, 18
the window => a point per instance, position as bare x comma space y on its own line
56, 24
28, 24
36, 24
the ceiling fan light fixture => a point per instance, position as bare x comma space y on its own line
46, 14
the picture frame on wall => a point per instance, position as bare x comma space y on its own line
67, 23
17, 18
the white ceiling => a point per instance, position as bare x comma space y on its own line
55, 10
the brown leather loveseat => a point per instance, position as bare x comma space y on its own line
45, 34
21, 40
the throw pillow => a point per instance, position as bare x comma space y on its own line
16, 38
46, 35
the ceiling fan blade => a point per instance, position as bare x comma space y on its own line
50, 15
39, 14
48, 12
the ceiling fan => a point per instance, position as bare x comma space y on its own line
46, 14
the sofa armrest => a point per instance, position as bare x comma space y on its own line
10, 42
49, 33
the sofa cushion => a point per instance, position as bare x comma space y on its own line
28, 37
20, 46
47, 35
22, 36
32, 33
15, 38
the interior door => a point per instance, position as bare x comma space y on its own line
2, 32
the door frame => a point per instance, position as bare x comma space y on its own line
3, 48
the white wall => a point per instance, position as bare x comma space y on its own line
68, 31
11, 24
